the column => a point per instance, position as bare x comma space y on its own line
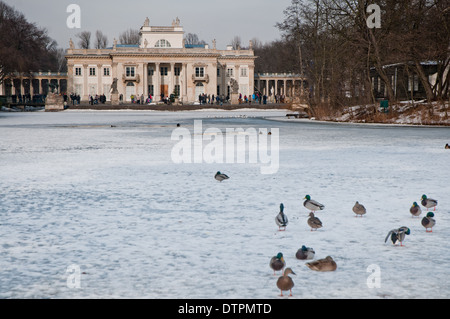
267, 87
237, 76
145, 80
251, 71
224, 78
172, 78
184, 87
85, 83
99, 79
157, 85
276, 89
70, 88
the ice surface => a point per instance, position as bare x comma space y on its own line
99, 190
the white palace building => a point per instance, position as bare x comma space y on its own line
160, 65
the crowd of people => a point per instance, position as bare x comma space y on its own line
203, 99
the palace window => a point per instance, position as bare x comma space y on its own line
199, 72
230, 72
164, 70
91, 71
244, 72
130, 71
163, 44
150, 72
106, 72
177, 71
78, 71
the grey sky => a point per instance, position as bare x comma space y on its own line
209, 19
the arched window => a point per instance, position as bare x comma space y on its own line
163, 44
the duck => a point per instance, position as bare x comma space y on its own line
398, 235
314, 222
305, 253
220, 176
447, 147
326, 264
281, 219
312, 204
277, 262
359, 209
429, 202
285, 283
428, 222
415, 210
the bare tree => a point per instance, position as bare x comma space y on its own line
85, 39
192, 38
131, 36
236, 42
101, 40
24, 48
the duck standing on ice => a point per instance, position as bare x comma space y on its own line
277, 262
281, 219
220, 176
429, 202
415, 210
359, 209
314, 222
428, 222
285, 282
312, 205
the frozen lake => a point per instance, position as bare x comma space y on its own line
96, 197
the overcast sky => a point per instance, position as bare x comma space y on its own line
209, 19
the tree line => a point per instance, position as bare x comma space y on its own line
24, 47
331, 43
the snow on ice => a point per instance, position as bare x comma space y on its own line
93, 206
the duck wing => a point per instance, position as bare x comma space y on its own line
313, 205
393, 235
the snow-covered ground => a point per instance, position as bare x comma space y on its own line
99, 191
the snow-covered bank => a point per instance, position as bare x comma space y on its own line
406, 112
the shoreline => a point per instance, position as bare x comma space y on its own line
231, 108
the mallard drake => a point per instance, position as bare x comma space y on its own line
326, 264
314, 222
305, 253
398, 235
285, 283
415, 209
277, 262
281, 219
220, 176
429, 202
312, 205
428, 222
359, 209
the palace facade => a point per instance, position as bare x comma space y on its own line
161, 65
